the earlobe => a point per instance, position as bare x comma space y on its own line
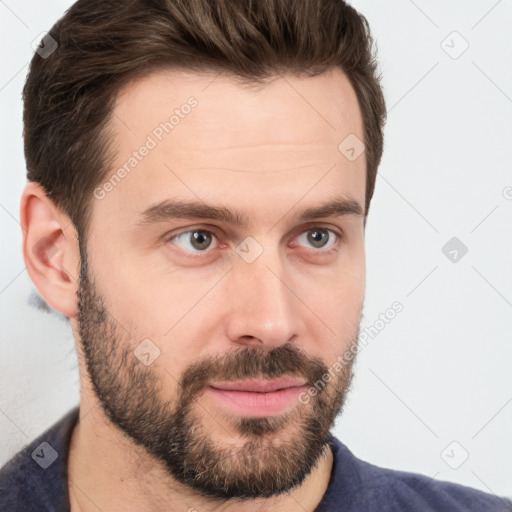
50, 249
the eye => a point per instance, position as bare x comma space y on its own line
197, 240
200, 240
319, 238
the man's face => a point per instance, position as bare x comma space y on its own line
171, 309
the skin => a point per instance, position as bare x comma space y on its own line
269, 152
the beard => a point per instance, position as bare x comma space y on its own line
278, 452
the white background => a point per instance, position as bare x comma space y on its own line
441, 370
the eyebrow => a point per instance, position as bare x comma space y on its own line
175, 209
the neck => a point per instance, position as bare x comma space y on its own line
107, 471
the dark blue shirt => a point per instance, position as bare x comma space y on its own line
34, 480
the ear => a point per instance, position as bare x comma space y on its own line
50, 249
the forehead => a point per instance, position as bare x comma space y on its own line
206, 136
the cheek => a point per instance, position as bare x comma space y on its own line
353, 276
342, 289
338, 304
145, 303
337, 312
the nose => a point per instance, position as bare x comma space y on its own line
263, 308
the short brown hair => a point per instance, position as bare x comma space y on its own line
102, 44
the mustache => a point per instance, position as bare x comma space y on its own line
245, 363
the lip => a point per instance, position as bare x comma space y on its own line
258, 397
259, 385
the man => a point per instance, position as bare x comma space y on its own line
200, 173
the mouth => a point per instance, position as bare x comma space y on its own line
258, 397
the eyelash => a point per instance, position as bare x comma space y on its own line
194, 254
